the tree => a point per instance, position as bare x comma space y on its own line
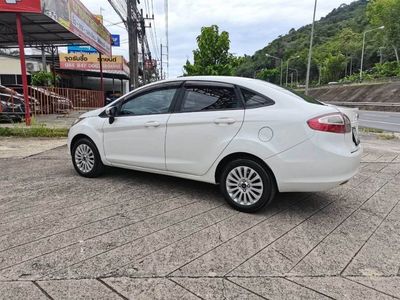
332, 67
43, 78
212, 56
387, 12
271, 75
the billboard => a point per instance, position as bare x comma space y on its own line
74, 48
76, 18
81, 49
31, 6
91, 62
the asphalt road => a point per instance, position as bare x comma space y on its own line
388, 121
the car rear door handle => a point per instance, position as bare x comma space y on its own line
152, 124
227, 121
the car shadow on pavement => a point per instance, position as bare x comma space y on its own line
202, 189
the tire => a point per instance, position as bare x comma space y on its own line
247, 186
86, 158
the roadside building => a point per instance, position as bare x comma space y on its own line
10, 71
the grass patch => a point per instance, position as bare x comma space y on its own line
34, 131
385, 136
371, 130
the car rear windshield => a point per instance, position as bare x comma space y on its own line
305, 97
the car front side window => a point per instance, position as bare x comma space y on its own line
150, 103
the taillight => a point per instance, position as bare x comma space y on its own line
335, 122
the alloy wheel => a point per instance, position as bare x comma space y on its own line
84, 158
244, 185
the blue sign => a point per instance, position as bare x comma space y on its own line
116, 40
81, 49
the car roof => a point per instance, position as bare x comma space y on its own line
223, 79
255, 84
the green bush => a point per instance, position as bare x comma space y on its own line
387, 69
43, 78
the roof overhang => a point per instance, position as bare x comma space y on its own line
39, 30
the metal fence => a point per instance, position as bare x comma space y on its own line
45, 101
52, 100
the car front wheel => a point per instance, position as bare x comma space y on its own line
246, 185
86, 158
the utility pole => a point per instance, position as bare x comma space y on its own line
310, 50
165, 74
166, 33
133, 44
142, 33
161, 62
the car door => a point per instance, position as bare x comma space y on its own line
209, 116
137, 136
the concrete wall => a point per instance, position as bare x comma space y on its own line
11, 65
382, 92
379, 92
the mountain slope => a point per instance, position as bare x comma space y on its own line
296, 42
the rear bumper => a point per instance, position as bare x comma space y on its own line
308, 167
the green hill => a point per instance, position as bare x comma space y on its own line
337, 48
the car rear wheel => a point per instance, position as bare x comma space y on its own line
86, 158
246, 185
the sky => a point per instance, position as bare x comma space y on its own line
252, 24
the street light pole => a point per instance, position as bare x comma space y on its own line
363, 49
287, 68
310, 51
280, 59
297, 75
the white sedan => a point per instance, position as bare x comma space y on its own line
250, 137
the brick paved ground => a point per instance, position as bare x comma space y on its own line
130, 235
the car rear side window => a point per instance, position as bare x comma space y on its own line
253, 100
205, 98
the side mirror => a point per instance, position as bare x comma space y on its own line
111, 113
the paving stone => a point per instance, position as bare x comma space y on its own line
339, 288
83, 249
20, 290
387, 157
388, 285
334, 253
184, 242
78, 289
247, 245
374, 167
79, 235
283, 255
216, 288
131, 209
109, 262
149, 288
276, 288
381, 254
167, 260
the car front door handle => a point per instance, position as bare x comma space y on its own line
227, 121
152, 124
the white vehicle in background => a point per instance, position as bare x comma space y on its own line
250, 137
